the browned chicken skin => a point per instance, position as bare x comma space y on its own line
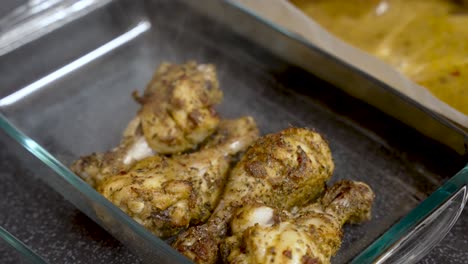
167, 194
281, 170
97, 167
176, 115
311, 234
177, 108
171, 170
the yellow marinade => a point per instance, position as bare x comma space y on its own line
427, 40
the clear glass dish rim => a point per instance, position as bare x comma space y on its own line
374, 250
26, 252
398, 230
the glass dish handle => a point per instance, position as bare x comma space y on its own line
428, 233
35, 18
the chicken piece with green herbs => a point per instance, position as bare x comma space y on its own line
176, 115
168, 194
97, 167
264, 235
281, 170
177, 108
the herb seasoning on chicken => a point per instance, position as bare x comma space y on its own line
97, 167
281, 170
167, 194
177, 107
312, 234
176, 115
172, 174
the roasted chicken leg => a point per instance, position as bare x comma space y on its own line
167, 194
176, 115
281, 170
177, 108
264, 235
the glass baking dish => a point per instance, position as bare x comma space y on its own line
69, 67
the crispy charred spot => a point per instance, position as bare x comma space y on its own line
178, 103
271, 250
303, 163
287, 253
309, 260
256, 169
195, 117
139, 99
455, 73
204, 249
342, 192
136, 181
312, 230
